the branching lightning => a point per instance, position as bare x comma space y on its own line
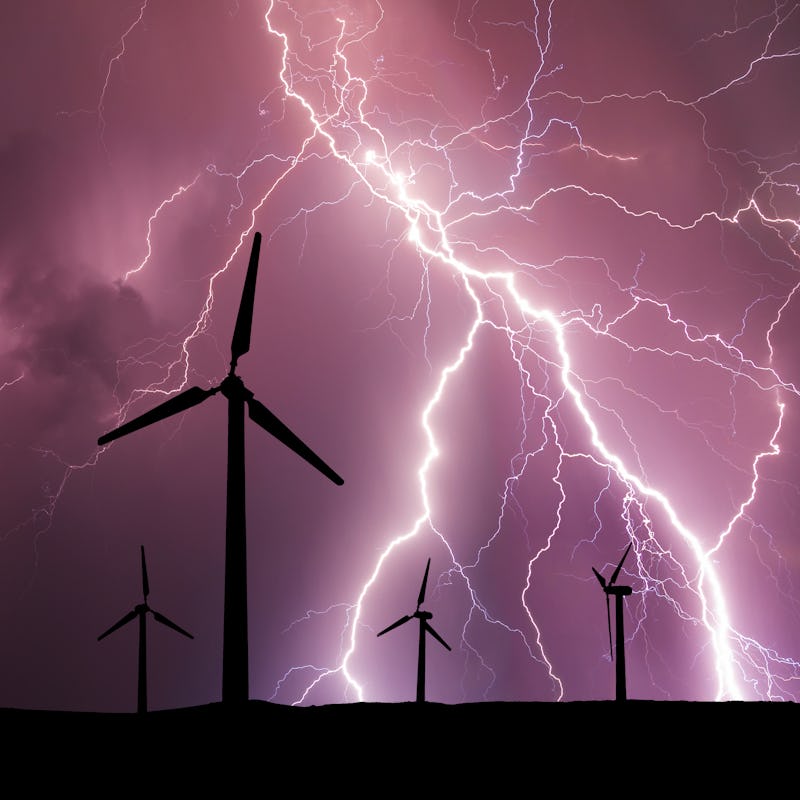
564, 417
428, 232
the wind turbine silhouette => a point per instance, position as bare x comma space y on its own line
424, 627
619, 592
235, 680
140, 611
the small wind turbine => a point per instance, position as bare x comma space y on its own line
140, 611
235, 680
619, 592
424, 627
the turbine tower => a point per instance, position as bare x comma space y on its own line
619, 592
235, 679
140, 611
424, 627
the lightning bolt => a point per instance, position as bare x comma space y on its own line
331, 77
429, 233
121, 47
11, 382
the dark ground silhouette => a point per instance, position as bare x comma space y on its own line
374, 749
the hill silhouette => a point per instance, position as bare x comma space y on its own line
318, 746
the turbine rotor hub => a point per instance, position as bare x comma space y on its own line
234, 389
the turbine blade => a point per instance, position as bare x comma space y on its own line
397, 624
436, 636
619, 566
608, 612
244, 321
599, 577
181, 402
424, 584
262, 416
124, 621
170, 624
145, 582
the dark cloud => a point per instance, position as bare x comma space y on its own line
68, 325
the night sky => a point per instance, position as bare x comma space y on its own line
528, 281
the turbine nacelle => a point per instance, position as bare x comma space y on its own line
609, 587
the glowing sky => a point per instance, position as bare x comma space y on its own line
527, 282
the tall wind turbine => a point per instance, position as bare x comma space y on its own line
424, 627
619, 592
235, 680
140, 611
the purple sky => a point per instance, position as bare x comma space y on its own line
527, 282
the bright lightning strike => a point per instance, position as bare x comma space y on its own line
429, 231
499, 178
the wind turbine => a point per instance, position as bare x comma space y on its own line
424, 627
140, 611
235, 680
619, 592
